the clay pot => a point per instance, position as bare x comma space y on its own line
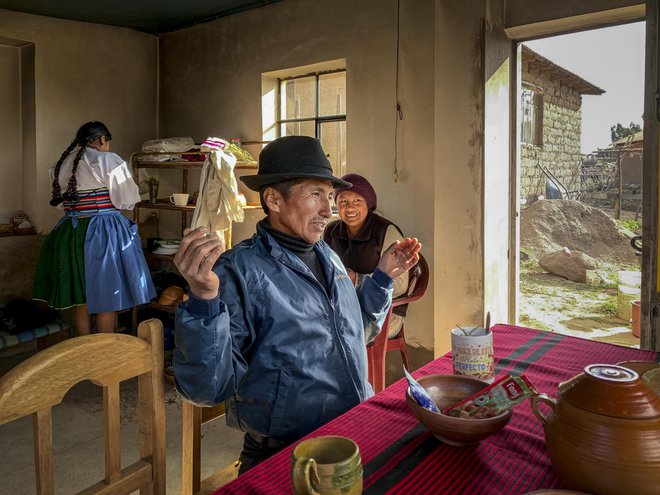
603, 432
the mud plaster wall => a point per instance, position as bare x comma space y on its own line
560, 151
82, 72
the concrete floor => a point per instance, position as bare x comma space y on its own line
78, 440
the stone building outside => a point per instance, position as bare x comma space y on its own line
550, 126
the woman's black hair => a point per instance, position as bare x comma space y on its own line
88, 133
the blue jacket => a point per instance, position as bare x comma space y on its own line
286, 355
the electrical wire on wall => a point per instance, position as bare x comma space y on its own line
399, 111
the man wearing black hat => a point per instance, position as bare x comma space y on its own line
275, 326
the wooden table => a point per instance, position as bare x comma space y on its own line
400, 456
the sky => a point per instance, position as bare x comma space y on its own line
612, 59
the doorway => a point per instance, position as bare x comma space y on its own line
579, 171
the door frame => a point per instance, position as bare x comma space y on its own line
650, 321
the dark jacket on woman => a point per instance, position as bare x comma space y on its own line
362, 252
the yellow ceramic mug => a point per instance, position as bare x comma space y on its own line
326, 466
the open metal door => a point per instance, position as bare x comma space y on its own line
650, 327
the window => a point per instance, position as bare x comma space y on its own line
315, 105
531, 123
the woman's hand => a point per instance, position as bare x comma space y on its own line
400, 257
195, 258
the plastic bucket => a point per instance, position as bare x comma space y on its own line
625, 296
630, 278
636, 313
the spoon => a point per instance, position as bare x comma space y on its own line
465, 332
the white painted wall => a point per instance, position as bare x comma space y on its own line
82, 72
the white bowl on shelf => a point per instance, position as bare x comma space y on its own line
166, 250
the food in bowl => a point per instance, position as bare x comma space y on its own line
447, 390
504, 394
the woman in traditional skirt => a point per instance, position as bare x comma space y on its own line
92, 261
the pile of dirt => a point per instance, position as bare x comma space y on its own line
550, 225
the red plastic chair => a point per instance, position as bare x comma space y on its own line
376, 351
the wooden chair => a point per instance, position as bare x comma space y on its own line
41, 382
376, 351
193, 417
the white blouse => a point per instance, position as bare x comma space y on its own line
101, 169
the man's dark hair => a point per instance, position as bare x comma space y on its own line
284, 188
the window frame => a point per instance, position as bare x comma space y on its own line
537, 116
318, 120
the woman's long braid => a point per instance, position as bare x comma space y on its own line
57, 190
71, 193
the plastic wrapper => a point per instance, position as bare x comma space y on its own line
504, 394
420, 395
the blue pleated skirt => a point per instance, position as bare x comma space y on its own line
115, 274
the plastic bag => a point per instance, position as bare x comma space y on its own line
169, 145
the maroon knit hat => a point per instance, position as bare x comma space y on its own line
360, 186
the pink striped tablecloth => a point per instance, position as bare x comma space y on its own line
400, 456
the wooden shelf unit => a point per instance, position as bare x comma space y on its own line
139, 162
195, 162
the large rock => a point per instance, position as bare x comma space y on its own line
572, 265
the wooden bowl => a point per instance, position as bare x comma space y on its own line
447, 390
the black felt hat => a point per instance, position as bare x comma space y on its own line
292, 157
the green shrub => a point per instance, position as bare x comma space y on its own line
610, 306
632, 225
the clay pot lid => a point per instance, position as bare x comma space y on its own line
611, 390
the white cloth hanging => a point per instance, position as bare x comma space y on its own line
217, 203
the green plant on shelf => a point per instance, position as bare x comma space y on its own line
150, 181
240, 154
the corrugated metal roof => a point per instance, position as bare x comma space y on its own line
633, 138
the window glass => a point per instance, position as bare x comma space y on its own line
304, 128
302, 115
333, 140
332, 94
298, 98
531, 117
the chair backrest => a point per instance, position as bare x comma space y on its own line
41, 382
418, 281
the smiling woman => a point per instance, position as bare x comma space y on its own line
361, 236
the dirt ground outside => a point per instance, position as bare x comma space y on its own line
552, 303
